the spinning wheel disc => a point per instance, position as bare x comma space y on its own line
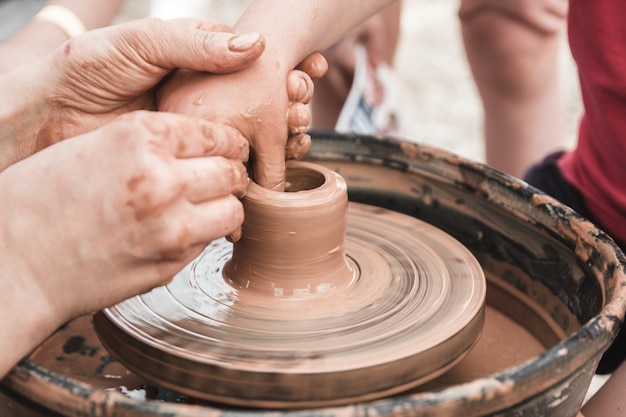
413, 308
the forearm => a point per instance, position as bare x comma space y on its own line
25, 324
27, 319
24, 114
293, 30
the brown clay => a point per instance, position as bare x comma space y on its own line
548, 272
295, 320
503, 343
292, 245
75, 353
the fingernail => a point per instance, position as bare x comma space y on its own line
242, 42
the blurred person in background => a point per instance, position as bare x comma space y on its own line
30, 29
512, 50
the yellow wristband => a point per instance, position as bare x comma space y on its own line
63, 18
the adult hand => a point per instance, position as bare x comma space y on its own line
114, 70
264, 102
98, 218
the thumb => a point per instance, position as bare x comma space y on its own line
173, 44
268, 167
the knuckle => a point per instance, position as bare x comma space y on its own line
142, 36
214, 44
137, 124
298, 118
174, 239
233, 220
240, 179
149, 187
222, 140
297, 146
211, 138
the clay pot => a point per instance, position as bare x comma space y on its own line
548, 270
313, 261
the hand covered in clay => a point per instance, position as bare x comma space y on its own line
265, 103
113, 213
546, 16
105, 72
300, 91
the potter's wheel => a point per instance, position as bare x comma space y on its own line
408, 305
555, 284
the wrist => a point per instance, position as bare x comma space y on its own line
281, 48
26, 321
25, 114
33, 41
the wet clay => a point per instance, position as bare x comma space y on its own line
552, 277
503, 341
292, 245
502, 344
295, 320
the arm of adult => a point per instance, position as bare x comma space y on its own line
46, 31
292, 30
95, 219
102, 73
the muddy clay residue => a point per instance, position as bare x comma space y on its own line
323, 302
502, 344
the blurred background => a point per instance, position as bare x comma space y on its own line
440, 103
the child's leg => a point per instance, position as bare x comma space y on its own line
512, 49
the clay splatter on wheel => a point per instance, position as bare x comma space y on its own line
323, 302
